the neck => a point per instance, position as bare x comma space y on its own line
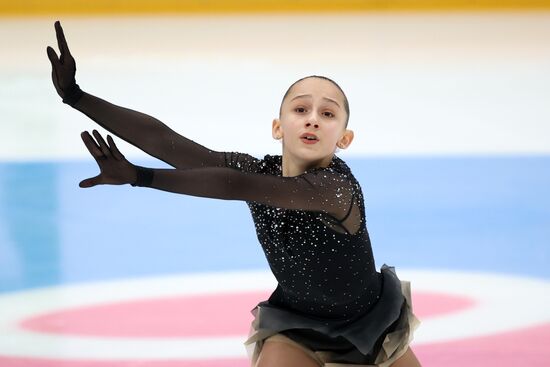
292, 167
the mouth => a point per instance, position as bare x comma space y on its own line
309, 138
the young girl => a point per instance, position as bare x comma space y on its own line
331, 307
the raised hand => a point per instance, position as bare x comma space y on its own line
63, 69
114, 168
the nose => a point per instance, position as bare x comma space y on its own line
316, 125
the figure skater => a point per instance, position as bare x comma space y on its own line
331, 306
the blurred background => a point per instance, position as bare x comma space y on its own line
450, 105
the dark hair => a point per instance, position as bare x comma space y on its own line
346, 103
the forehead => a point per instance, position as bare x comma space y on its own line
317, 88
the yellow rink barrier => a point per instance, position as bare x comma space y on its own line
40, 7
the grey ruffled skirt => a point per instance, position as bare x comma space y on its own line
376, 338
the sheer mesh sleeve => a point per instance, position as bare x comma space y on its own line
326, 191
149, 134
321, 190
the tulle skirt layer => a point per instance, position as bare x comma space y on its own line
377, 338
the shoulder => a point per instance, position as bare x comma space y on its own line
271, 164
336, 175
338, 165
344, 171
243, 162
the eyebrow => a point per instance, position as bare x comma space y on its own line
310, 96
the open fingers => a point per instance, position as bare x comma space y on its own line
92, 146
116, 153
102, 144
56, 65
52, 55
61, 42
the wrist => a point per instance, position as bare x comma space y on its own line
72, 95
144, 176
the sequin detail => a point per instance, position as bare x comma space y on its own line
324, 265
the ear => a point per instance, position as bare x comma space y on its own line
345, 140
276, 130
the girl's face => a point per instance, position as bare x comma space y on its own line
312, 123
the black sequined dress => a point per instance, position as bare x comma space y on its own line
329, 294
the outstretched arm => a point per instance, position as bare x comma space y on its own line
298, 193
139, 129
305, 192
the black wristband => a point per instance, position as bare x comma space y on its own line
144, 176
73, 95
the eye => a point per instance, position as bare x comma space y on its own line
300, 109
328, 114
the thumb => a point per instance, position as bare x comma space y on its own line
90, 182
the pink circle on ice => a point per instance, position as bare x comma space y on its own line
191, 316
